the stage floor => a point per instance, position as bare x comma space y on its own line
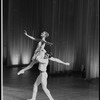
64, 87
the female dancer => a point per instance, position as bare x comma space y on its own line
41, 44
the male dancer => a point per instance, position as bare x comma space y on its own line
43, 60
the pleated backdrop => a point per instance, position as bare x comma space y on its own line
73, 26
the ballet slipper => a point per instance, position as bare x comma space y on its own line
31, 99
20, 72
51, 99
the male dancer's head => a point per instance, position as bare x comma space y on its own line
47, 55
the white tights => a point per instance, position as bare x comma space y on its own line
42, 78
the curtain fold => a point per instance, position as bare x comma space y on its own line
73, 26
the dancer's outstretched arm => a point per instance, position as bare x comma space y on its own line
58, 61
42, 60
31, 37
49, 43
38, 40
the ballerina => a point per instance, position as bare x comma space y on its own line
41, 44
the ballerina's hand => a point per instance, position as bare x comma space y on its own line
20, 72
67, 63
49, 43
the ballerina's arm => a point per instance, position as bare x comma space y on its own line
31, 37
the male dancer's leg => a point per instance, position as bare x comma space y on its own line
44, 85
35, 87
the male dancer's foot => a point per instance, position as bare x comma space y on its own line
51, 99
35, 99
31, 99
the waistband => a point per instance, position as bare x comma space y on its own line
41, 71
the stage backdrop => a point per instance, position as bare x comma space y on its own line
73, 26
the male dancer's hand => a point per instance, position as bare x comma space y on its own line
67, 63
20, 72
25, 32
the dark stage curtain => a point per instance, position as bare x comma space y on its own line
73, 26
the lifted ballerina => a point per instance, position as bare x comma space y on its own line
41, 44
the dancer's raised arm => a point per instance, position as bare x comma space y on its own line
38, 40
25, 32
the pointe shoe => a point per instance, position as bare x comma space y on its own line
20, 72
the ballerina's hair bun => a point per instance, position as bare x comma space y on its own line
46, 33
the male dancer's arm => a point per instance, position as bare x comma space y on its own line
58, 61
42, 60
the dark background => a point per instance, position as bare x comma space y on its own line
73, 26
